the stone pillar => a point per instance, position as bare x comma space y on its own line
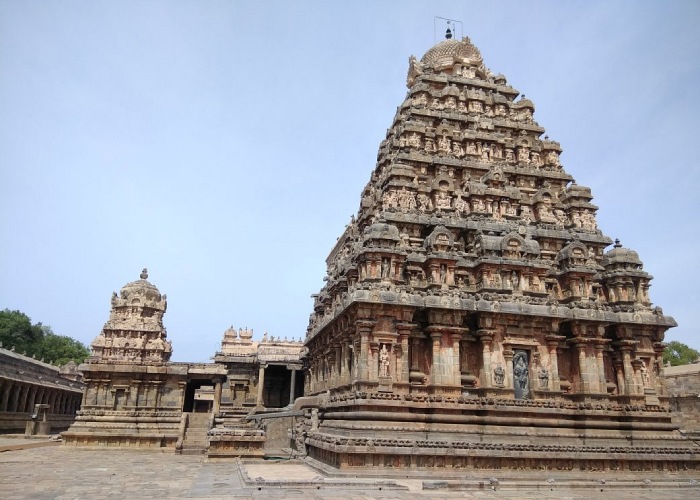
508, 357
638, 384
216, 406
32, 398
15, 399
292, 384
6, 389
628, 371
373, 361
23, 399
364, 328
261, 385
620, 377
343, 362
456, 367
582, 368
552, 345
134, 393
404, 365
436, 371
600, 362
52, 402
486, 337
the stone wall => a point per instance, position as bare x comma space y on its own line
683, 385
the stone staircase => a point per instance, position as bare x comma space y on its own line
234, 436
196, 439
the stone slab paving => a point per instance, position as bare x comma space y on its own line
63, 473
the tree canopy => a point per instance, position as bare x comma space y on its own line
18, 332
677, 353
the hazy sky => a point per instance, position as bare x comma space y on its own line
224, 144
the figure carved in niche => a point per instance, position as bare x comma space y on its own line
457, 149
383, 362
444, 144
553, 158
543, 376
515, 281
424, 203
523, 155
510, 157
645, 375
443, 200
450, 102
460, 205
385, 267
499, 375
443, 273
521, 375
429, 145
414, 140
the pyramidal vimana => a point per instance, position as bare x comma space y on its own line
471, 315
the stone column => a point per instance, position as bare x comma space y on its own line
373, 361
626, 348
52, 402
486, 337
403, 364
456, 368
32, 398
600, 362
292, 384
261, 384
6, 389
134, 393
436, 371
23, 399
217, 396
638, 384
620, 376
364, 328
343, 362
15, 400
552, 345
583, 370
508, 357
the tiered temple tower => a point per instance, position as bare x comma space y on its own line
471, 316
133, 395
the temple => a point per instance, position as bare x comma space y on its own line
471, 317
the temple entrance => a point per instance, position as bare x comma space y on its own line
197, 396
521, 374
277, 384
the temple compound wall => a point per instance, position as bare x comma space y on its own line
26, 382
471, 316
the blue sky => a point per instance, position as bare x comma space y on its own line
224, 144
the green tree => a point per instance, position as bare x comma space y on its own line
60, 349
677, 353
17, 331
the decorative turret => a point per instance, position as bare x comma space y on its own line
134, 332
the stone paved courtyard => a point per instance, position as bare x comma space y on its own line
59, 472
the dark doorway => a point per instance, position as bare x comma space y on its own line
277, 382
190, 404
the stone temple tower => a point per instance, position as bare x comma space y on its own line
471, 316
134, 332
